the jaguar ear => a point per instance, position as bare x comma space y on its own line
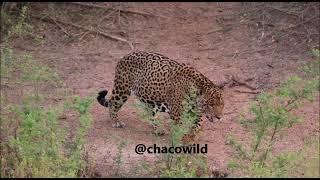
222, 85
227, 80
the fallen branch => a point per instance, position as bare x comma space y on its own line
121, 10
224, 30
107, 16
71, 39
62, 29
208, 49
235, 81
251, 51
231, 112
249, 92
283, 11
241, 83
51, 20
83, 35
304, 22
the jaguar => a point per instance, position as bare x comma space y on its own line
163, 84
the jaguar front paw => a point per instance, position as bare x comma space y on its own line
118, 124
188, 139
158, 132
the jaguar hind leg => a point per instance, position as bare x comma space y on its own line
119, 97
157, 130
114, 108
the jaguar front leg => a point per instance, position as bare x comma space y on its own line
176, 117
194, 132
195, 129
155, 123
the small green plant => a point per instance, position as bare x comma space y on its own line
306, 163
6, 64
179, 165
33, 143
303, 163
185, 165
25, 70
16, 26
82, 107
118, 159
189, 116
143, 167
271, 116
39, 143
145, 113
312, 69
316, 53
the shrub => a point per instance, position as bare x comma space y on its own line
179, 165
15, 26
185, 165
271, 116
33, 141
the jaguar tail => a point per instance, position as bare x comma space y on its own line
102, 98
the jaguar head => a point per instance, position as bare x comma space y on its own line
212, 104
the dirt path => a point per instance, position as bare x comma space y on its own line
198, 34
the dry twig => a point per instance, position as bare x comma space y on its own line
241, 83
224, 30
249, 92
63, 30
121, 10
235, 81
283, 11
87, 29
